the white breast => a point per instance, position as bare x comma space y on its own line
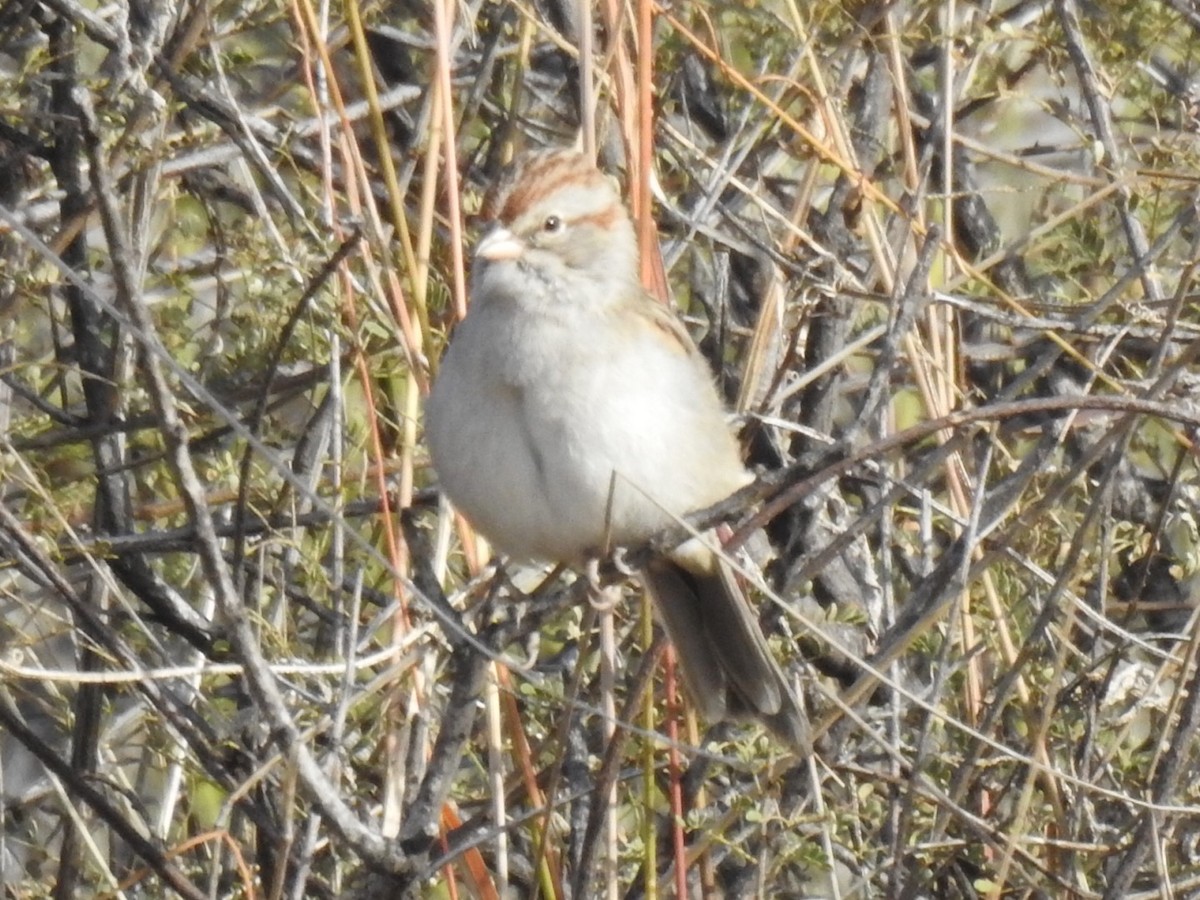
553, 447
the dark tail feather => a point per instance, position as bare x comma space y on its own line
723, 656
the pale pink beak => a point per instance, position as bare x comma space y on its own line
499, 244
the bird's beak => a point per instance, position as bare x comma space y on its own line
499, 244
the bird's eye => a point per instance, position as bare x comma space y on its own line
552, 225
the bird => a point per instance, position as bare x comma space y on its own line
572, 413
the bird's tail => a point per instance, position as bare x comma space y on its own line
726, 664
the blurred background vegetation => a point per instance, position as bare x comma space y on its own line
942, 256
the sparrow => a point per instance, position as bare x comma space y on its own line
572, 414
